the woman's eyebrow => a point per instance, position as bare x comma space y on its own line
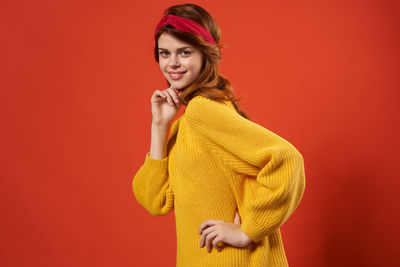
181, 48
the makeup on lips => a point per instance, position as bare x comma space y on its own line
176, 75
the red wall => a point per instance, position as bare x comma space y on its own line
76, 79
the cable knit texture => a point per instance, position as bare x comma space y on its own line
218, 161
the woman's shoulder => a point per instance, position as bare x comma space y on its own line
204, 105
207, 113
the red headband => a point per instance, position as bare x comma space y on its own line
186, 25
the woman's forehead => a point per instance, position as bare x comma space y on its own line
168, 41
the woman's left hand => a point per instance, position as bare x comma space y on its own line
214, 232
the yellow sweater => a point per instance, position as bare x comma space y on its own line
218, 161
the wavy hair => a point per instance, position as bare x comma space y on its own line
210, 83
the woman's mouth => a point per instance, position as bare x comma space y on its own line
176, 76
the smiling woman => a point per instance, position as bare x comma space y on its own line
180, 62
231, 182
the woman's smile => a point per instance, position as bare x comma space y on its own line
177, 75
180, 62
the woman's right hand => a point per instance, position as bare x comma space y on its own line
164, 105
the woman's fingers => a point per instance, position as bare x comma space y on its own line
210, 236
206, 224
204, 235
174, 93
209, 241
169, 97
217, 243
158, 95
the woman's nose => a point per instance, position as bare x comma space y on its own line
174, 61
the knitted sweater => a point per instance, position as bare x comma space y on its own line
218, 161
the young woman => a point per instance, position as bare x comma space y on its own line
231, 182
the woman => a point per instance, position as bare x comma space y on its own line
231, 182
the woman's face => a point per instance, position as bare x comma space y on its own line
179, 61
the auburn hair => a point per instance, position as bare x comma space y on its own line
210, 83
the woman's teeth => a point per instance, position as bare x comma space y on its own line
176, 76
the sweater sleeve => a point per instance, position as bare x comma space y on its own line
152, 188
273, 167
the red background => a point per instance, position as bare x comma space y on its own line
76, 80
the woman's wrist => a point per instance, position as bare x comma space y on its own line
159, 134
246, 240
162, 125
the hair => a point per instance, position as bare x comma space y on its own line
210, 83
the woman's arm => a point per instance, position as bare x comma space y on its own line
274, 169
151, 184
158, 146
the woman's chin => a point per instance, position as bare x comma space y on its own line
178, 87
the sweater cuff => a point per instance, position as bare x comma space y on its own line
156, 165
252, 230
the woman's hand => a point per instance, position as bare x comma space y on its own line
164, 105
215, 232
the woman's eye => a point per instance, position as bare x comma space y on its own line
164, 53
